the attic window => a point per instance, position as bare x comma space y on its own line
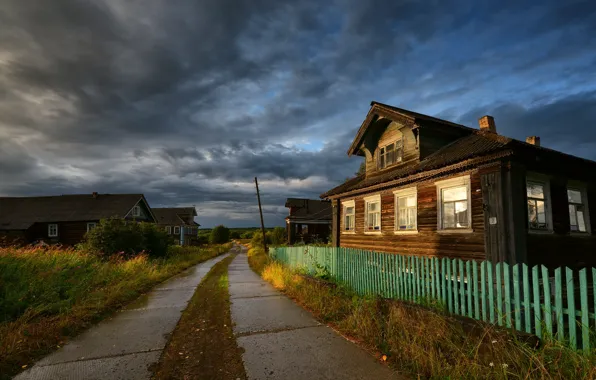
390, 154
136, 211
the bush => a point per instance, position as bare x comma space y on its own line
257, 239
116, 236
278, 236
219, 235
247, 235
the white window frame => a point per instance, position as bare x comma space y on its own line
50, 233
373, 199
398, 159
136, 211
345, 205
445, 184
169, 230
91, 225
545, 182
408, 192
176, 230
577, 186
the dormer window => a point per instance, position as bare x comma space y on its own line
390, 154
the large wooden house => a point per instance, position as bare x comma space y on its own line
436, 188
179, 222
308, 221
65, 219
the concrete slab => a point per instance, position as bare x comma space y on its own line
251, 289
127, 332
176, 298
127, 367
268, 314
309, 353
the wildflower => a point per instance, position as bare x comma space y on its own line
491, 364
384, 358
504, 365
494, 341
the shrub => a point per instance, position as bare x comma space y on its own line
116, 236
235, 235
278, 236
247, 235
219, 235
257, 239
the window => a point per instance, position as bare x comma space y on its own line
578, 215
538, 199
304, 229
390, 154
177, 230
453, 204
372, 216
169, 230
406, 210
52, 230
136, 211
349, 216
91, 226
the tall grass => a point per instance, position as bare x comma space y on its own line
424, 342
47, 295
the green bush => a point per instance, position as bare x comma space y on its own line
127, 239
278, 236
235, 235
247, 235
257, 239
219, 235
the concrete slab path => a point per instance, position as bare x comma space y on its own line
124, 346
283, 341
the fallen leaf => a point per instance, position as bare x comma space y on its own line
384, 358
24, 366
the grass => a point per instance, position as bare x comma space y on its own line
203, 344
48, 295
423, 342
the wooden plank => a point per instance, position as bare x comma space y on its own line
585, 318
517, 298
484, 295
499, 293
527, 304
469, 288
548, 313
491, 287
507, 281
559, 305
571, 308
537, 311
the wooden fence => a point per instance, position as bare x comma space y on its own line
536, 300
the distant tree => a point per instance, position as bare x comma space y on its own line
219, 235
234, 234
247, 235
278, 236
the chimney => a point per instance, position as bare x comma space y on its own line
487, 124
534, 140
94, 194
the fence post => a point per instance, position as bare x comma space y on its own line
571, 308
476, 295
559, 305
548, 313
583, 287
516, 297
491, 289
507, 282
537, 311
527, 305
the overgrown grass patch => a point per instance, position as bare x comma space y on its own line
425, 342
48, 295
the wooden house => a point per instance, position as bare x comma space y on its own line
437, 188
175, 220
65, 219
309, 220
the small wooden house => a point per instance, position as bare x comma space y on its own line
309, 220
175, 220
65, 219
437, 188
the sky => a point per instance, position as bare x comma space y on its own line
187, 101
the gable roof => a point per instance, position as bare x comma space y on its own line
19, 213
474, 147
171, 215
308, 209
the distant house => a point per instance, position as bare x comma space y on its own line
175, 219
65, 218
436, 188
309, 220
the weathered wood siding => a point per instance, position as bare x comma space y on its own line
427, 242
69, 233
392, 132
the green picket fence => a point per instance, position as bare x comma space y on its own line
557, 303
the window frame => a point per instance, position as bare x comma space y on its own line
404, 193
345, 205
94, 224
545, 182
450, 183
136, 211
368, 200
176, 230
382, 153
582, 189
50, 234
169, 230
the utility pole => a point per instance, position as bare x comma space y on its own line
261, 212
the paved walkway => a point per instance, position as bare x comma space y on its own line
123, 347
283, 341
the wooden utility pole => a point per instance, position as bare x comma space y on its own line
261, 212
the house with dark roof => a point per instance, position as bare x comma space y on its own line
179, 222
65, 219
436, 188
309, 220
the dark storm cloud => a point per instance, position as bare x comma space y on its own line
187, 101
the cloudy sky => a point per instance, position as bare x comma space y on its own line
186, 101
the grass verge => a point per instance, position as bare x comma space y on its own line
49, 295
422, 342
203, 344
